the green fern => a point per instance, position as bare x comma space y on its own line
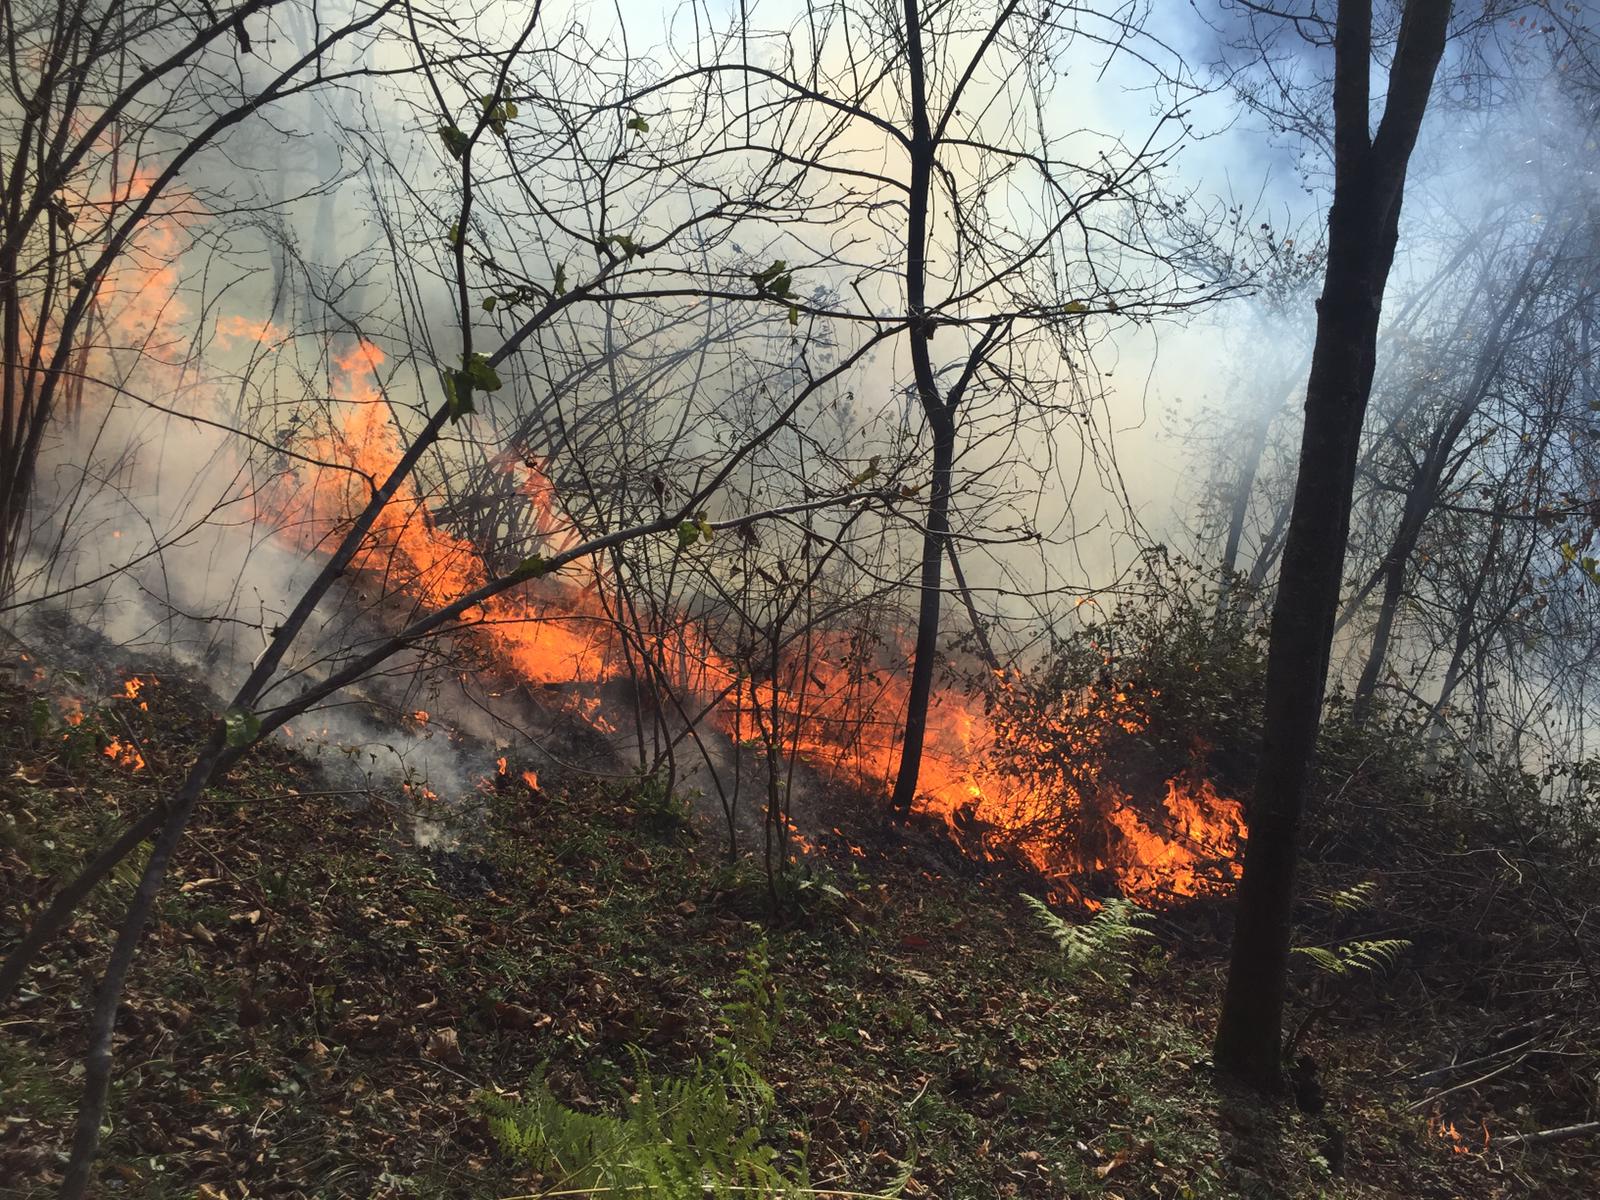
1351, 899
1102, 946
752, 1020
1372, 957
753, 1014
679, 1139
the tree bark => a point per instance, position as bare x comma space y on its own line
940, 420
1241, 507
1363, 228
935, 533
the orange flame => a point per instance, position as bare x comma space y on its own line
124, 755
241, 329
1459, 1143
1002, 768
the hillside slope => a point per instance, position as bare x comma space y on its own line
321, 1002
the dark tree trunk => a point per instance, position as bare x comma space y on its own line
939, 409
934, 535
940, 420
1393, 572
1363, 227
1241, 506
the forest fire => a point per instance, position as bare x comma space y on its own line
1009, 774
132, 687
124, 755
683, 574
1460, 1143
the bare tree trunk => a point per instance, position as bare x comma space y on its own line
980, 633
1363, 228
934, 535
1249, 469
1241, 505
940, 419
1393, 570
1464, 628
1429, 479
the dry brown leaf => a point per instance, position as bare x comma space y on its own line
443, 1047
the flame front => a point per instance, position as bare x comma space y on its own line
1004, 771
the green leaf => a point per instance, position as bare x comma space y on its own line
497, 112
560, 288
866, 473
794, 314
241, 727
688, 534
457, 394
459, 386
629, 247
481, 374
777, 281
639, 125
455, 140
532, 567
488, 303
763, 279
1075, 307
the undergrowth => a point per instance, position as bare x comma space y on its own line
1101, 947
695, 1136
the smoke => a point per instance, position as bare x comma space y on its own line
171, 508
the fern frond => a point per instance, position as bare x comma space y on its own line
1102, 946
678, 1139
1375, 956
1351, 899
1372, 957
1322, 957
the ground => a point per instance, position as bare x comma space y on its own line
320, 1002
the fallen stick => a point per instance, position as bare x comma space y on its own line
1545, 1136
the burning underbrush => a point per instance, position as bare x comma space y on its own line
1065, 772
323, 1001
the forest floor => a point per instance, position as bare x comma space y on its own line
320, 1003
